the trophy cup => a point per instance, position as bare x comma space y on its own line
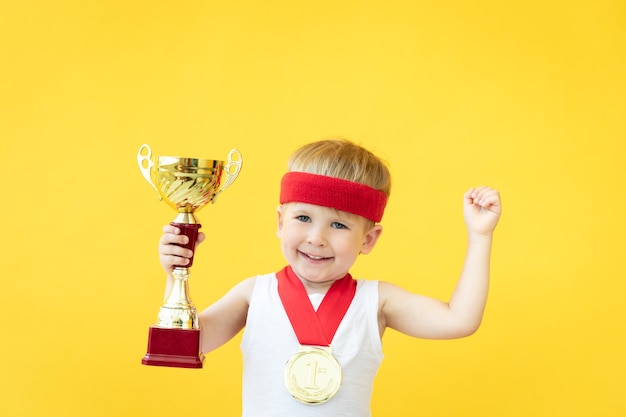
186, 185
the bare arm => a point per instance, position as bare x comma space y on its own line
424, 317
222, 320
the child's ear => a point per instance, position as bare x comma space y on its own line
370, 239
279, 211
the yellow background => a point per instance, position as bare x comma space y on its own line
528, 97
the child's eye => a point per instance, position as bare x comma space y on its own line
303, 218
337, 225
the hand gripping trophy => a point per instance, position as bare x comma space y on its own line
186, 185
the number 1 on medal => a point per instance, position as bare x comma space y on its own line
312, 375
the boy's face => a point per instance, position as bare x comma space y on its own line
321, 244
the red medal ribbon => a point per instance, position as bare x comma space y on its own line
312, 327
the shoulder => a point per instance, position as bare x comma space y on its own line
367, 286
244, 289
387, 290
395, 302
393, 296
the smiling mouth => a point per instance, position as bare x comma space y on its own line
313, 257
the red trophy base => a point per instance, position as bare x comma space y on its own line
179, 348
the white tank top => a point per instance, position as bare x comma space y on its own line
269, 341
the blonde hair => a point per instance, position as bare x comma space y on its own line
342, 159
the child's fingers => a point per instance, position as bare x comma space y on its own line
168, 228
171, 235
484, 196
176, 250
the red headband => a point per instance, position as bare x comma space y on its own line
339, 194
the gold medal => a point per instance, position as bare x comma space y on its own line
313, 375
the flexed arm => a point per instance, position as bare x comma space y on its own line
425, 317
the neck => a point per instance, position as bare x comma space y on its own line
313, 287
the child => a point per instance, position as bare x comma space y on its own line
312, 339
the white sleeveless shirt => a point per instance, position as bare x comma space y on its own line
269, 341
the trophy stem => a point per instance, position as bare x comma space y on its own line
179, 295
178, 312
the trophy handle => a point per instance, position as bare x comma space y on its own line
145, 165
234, 161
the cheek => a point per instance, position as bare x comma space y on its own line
288, 234
350, 246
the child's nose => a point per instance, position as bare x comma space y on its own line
316, 237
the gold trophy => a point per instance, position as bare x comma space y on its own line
186, 185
